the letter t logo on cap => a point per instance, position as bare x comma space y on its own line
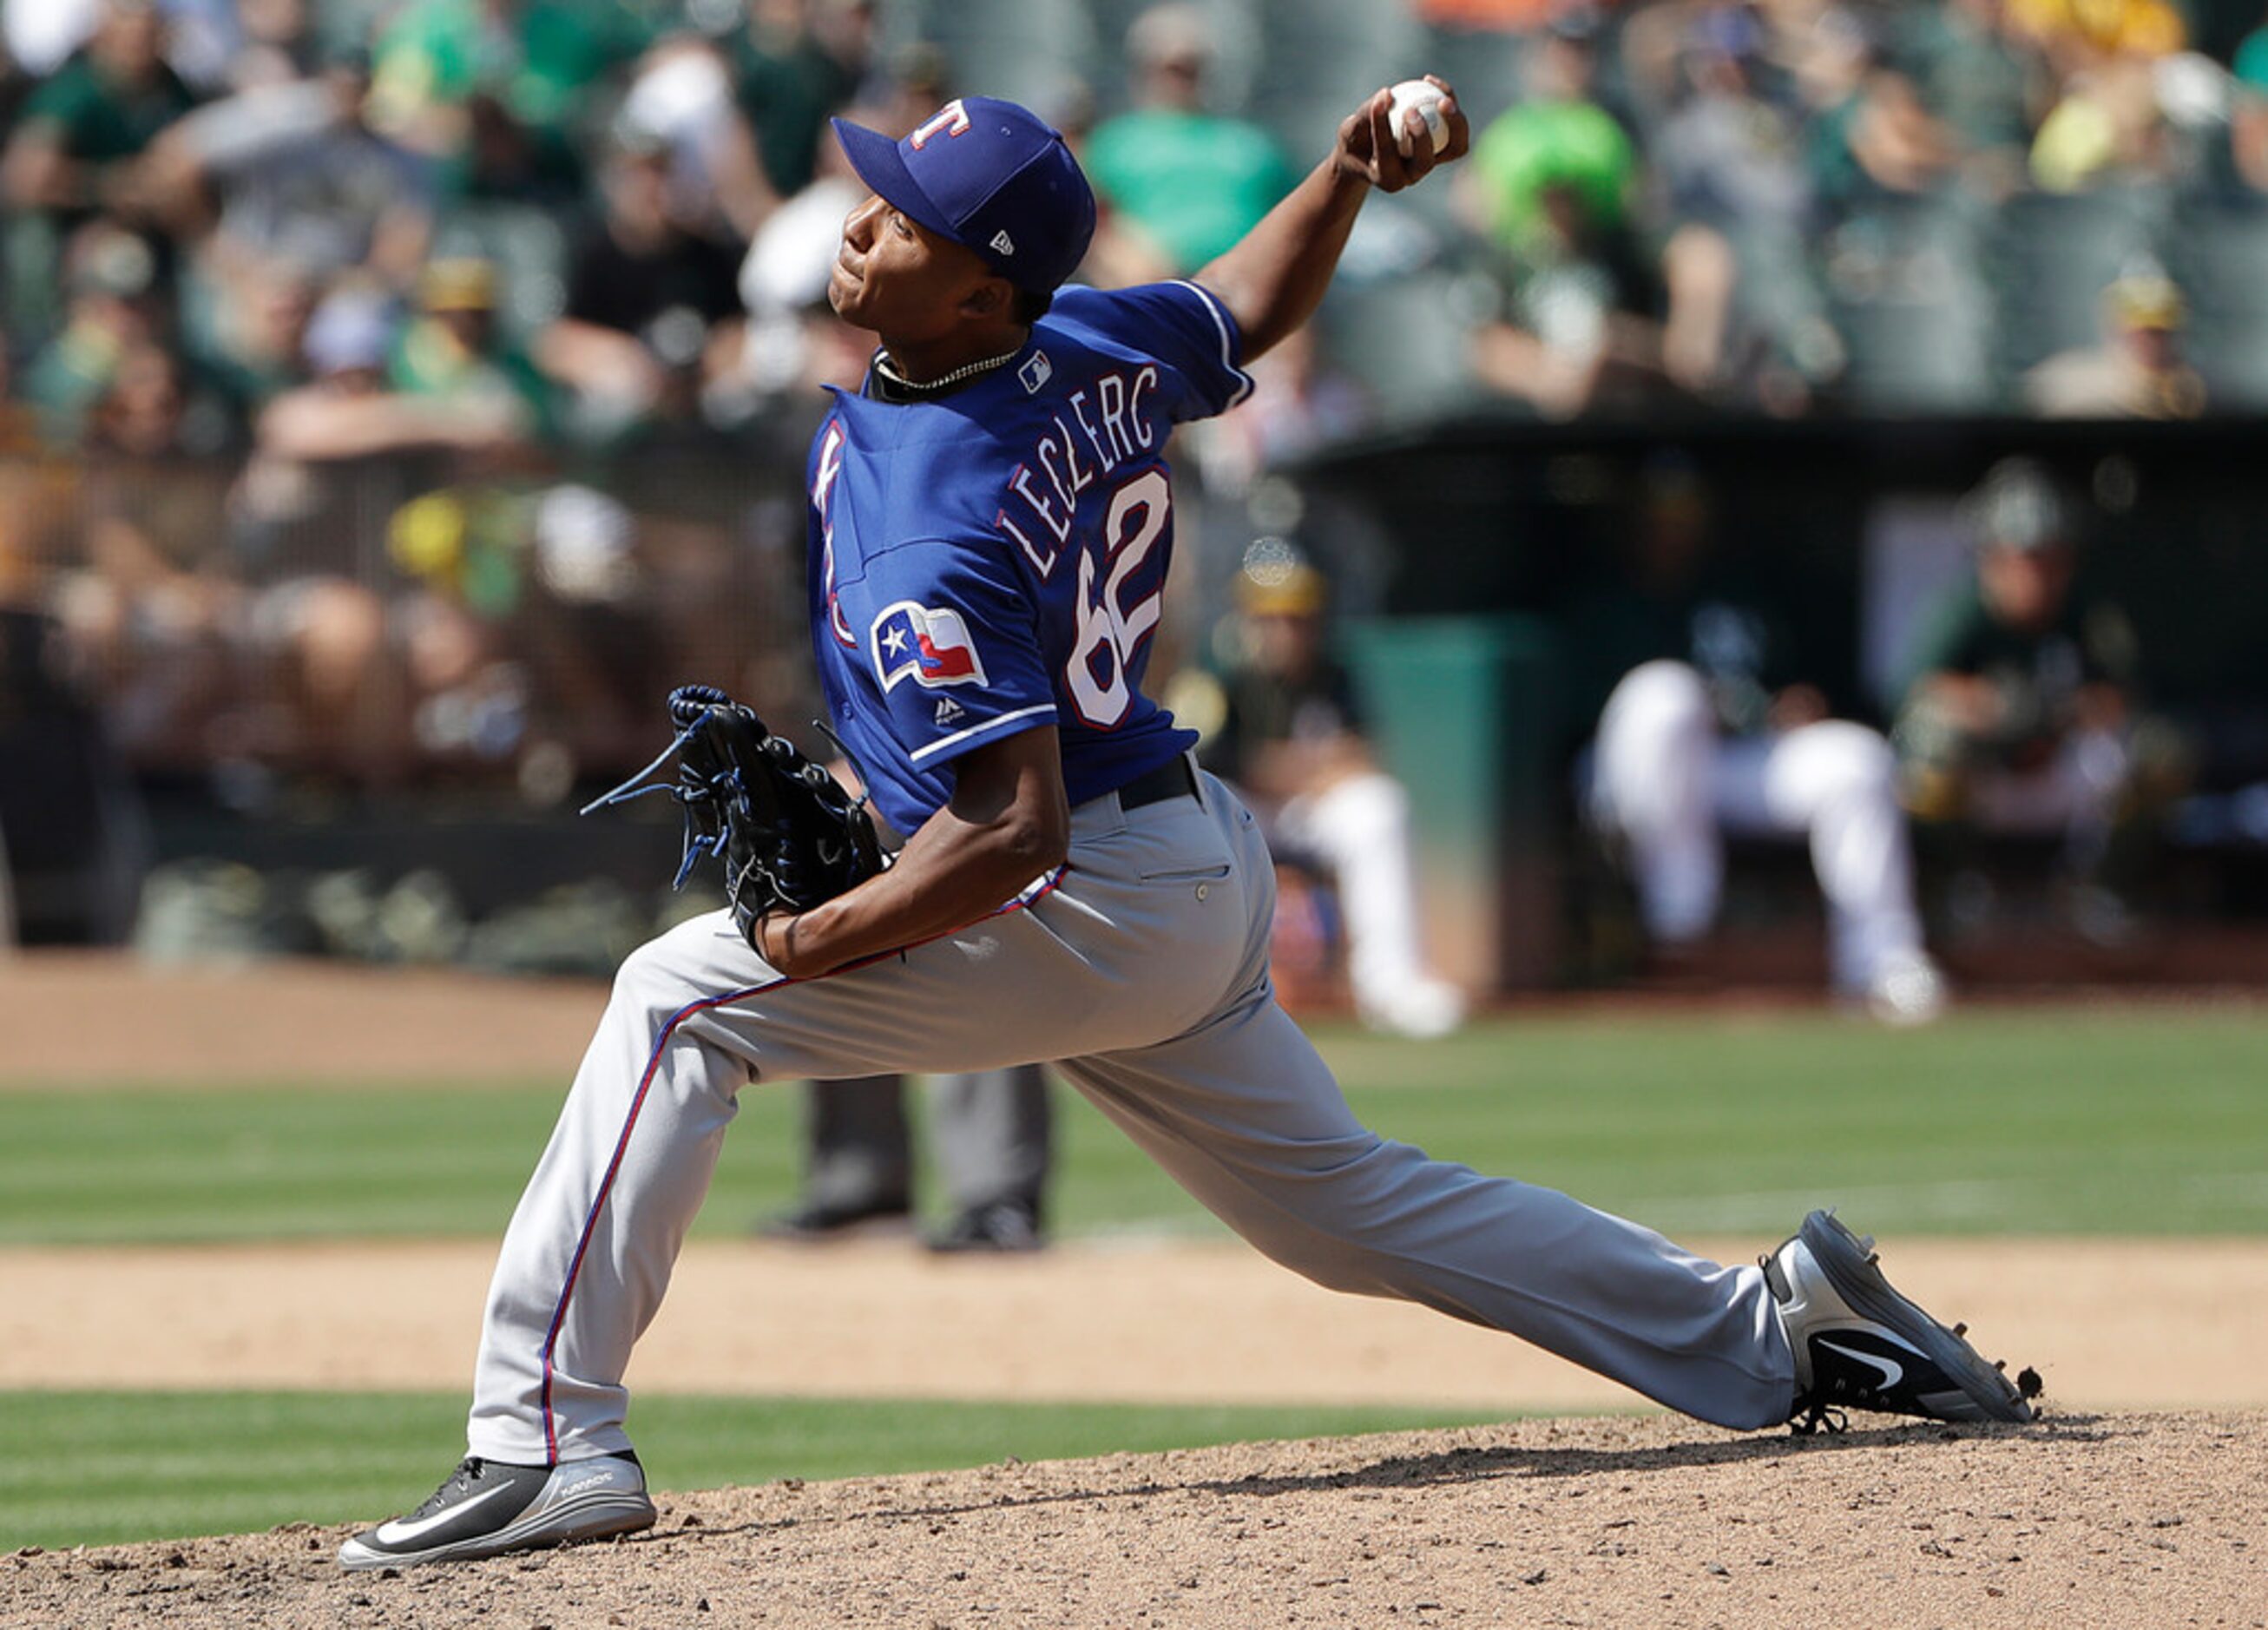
950, 119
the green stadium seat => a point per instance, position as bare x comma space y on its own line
1904, 289
1316, 62
2218, 254
1030, 51
1488, 67
1408, 339
1236, 38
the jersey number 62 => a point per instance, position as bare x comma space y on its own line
1110, 631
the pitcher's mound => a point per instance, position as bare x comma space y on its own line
2114, 1520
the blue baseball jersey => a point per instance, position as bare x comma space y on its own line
994, 559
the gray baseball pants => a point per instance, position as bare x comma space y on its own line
1143, 972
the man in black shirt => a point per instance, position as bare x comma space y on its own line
653, 311
2019, 715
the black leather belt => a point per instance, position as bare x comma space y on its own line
1173, 778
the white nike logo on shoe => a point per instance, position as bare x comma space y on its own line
401, 1531
1893, 1372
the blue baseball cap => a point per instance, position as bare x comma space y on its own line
991, 176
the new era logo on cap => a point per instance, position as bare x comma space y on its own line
990, 175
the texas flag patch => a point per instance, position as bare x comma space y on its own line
930, 643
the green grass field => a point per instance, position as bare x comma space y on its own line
2141, 1120
2045, 1121
86, 1468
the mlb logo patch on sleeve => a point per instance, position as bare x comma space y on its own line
930, 642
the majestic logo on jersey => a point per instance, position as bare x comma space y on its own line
930, 643
949, 711
950, 119
1036, 372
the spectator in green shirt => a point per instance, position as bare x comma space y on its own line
1557, 140
1192, 181
797, 61
537, 60
1980, 78
453, 354
114, 304
1598, 317
74, 150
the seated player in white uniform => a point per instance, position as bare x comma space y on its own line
1712, 730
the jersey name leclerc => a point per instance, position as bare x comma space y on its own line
995, 560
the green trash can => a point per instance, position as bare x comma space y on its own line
1461, 710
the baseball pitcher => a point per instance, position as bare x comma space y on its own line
992, 521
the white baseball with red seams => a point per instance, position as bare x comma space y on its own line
1425, 96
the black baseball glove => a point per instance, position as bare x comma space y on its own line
787, 834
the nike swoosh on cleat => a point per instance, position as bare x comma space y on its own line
1893, 1372
401, 1531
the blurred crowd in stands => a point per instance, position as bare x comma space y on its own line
346, 348
1979, 205
323, 230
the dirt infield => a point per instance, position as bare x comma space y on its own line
2109, 1520
1187, 1323
94, 1017
2101, 1515
2093, 1518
